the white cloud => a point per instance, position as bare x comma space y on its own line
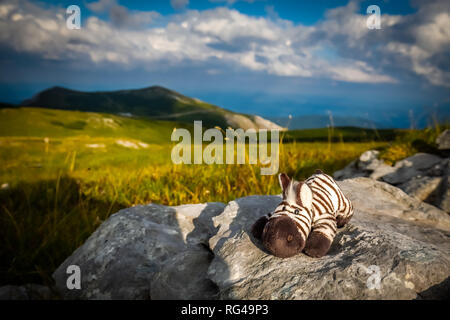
101, 5
340, 47
120, 16
179, 4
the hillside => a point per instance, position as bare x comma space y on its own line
153, 102
40, 123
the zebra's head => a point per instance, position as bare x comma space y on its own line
285, 233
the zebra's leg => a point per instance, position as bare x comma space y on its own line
344, 217
342, 220
258, 227
322, 235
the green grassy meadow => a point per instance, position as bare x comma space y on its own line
64, 172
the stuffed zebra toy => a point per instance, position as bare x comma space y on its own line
307, 218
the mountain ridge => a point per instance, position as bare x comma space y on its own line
153, 102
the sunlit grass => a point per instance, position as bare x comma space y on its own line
411, 142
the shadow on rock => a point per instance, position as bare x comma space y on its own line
440, 291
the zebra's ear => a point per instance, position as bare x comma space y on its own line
284, 181
304, 195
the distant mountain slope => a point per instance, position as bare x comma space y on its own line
322, 121
153, 102
56, 124
41, 123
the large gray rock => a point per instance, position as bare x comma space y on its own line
367, 165
350, 171
205, 251
422, 188
414, 166
382, 199
443, 198
122, 257
424, 176
444, 201
170, 282
443, 141
404, 239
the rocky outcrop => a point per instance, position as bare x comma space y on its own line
395, 247
443, 141
368, 165
423, 176
133, 254
390, 233
421, 187
417, 165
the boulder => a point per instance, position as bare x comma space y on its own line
424, 176
444, 201
350, 171
121, 258
443, 198
367, 165
170, 282
443, 140
422, 188
383, 199
414, 166
395, 247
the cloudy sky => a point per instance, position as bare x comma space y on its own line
272, 58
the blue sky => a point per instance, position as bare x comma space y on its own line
271, 58
304, 12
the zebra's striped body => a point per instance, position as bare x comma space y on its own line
316, 206
330, 205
